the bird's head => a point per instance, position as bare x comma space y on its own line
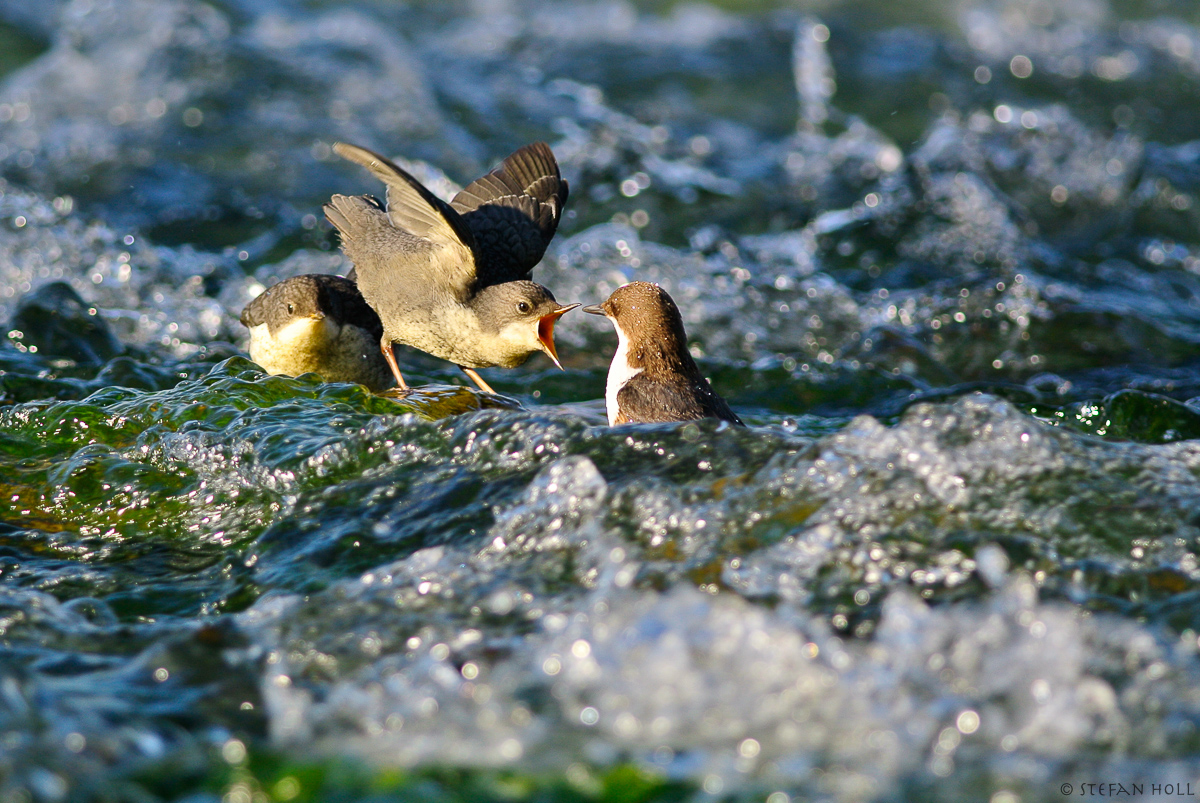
521, 315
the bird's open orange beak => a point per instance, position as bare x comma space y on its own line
546, 331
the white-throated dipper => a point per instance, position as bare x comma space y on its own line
653, 378
320, 324
453, 279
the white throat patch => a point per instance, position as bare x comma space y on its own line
619, 373
293, 348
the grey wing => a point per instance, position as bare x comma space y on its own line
414, 210
644, 400
513, 212
384, 255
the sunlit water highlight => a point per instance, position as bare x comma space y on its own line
944, 265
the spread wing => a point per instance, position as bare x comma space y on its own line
644, 400
418, 243
513, 212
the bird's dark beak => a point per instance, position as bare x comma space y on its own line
546, 331
594, 309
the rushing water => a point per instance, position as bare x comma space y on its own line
941, 256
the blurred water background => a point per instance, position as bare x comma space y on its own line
942, 255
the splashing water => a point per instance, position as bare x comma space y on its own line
941, 257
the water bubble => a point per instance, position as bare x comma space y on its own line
233, 751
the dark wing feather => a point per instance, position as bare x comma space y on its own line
643, 400
513, 213
716, 407
343, 298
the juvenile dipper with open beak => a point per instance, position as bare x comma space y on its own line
319, 324
453, 279
653, 378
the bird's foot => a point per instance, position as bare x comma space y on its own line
478, 380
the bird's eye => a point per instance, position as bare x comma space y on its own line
291, 309
523, 307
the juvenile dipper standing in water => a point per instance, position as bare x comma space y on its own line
453, 279
653, 378
320, 324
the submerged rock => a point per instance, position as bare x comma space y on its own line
55, 322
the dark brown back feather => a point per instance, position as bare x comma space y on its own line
513, 213
648, 400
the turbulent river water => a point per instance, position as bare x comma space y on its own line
942, 257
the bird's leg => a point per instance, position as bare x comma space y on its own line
478, 380
388, 354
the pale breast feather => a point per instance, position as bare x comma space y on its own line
619, 374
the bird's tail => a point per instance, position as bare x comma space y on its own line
353, 215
